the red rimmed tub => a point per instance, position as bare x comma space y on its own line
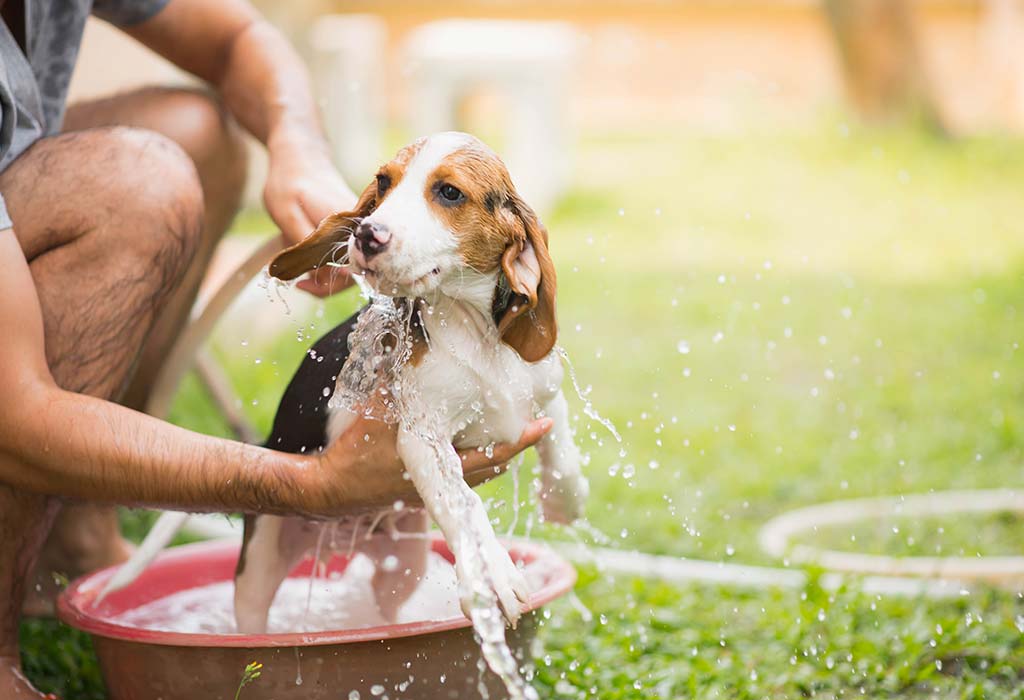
440, 656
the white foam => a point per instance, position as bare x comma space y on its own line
338, 602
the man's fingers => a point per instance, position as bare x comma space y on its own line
478, 461
294, 223
326, 281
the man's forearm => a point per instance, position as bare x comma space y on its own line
65, 444
266, 86
228, 44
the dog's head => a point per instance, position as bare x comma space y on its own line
443, 219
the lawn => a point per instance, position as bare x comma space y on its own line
771, 319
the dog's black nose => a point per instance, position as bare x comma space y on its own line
372, 238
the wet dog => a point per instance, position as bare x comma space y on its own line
458, 349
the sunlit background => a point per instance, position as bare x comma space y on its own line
790, 244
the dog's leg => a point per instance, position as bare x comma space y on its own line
485, 571
271, 547
399, 558
563, 487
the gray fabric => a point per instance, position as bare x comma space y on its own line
34, 87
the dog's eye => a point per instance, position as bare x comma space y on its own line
450, 193
383, 183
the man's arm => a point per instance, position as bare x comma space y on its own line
265, 85
66, 444
58, 442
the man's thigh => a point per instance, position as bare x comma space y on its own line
108, 219
196, 121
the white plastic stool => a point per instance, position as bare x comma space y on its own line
528, 63
348, 61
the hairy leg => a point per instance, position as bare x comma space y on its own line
86, 536
108, 219
196, 121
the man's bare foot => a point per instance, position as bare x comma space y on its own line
84, 538
14, 685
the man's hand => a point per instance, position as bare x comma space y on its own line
361, 470
265, 86
302, 188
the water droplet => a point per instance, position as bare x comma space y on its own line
376, 690
683, 347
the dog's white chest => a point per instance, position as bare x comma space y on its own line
478, 389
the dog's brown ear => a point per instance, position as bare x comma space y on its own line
528, 323
327, 243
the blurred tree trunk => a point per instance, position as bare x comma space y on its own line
882, 65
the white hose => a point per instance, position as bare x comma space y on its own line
776, 534
159, 536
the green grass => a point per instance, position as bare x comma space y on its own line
650, 640
771, 319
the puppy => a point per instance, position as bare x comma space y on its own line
464, 321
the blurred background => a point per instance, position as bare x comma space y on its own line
790, 244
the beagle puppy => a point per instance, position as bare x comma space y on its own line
463, 314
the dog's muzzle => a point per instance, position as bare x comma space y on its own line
372, 238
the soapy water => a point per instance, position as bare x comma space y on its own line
338, 601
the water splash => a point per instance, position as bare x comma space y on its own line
312, 575
514, 471
588, 406
380, 345
273, 288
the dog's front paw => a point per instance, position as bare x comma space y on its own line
491, 576
562, 498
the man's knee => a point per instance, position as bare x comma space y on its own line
198, 121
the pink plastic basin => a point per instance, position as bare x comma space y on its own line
441, 656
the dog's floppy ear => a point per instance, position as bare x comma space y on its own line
528, 323
326, 244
